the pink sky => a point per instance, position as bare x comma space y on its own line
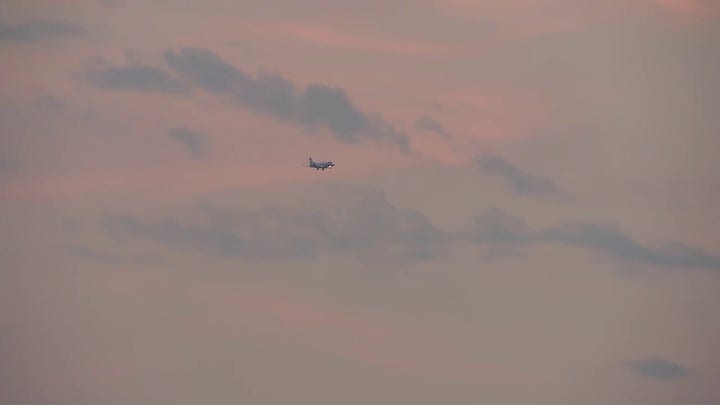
540, 277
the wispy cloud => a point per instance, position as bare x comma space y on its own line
195, 142
522, 181
133, 77
501, 233
428, 124
40, 29
658, 369
613, 241
370, 228
500, 230
269, 93
88, 253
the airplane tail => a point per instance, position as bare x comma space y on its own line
311, 161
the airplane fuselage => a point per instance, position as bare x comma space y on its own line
320, 165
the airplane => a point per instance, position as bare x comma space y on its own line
320, 165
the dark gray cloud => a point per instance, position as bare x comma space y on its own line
370, 229
133, 77
658, 369
521, 181
426, 123
615, 242
194, 141
269, 93
39, 29
503, 232
88, 253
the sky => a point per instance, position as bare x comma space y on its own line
523, 207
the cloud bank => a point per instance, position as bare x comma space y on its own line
368, 229
269, 93
371, 229
317, 105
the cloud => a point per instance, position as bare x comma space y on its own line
503, 232
39, 29
613, 241
88, 253
206, 70
497, 227
428, 124
521, 181
271, 94
658, 369
194, 141
370, 229
500, 233
133, 77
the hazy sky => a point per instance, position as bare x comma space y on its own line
524, 207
